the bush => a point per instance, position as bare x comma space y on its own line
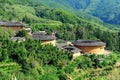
22, 33
108, 68
50, 77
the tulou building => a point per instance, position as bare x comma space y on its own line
45, 38
16, 26
90, 46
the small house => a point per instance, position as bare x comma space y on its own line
45, 39
16, 26
28, 29
90, 46
19, 39
68, 46
73, 50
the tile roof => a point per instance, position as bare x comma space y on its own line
17, 38
12, 24
72, 49
43, 36
89, 43
40, 33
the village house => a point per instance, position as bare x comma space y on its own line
45, 38
19, 39
28, 29
90, 46
16, 26
73, 50
68, 46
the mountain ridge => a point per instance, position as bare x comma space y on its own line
107, 10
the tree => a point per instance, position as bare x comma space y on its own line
22, 33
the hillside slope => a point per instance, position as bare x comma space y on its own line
67, 25
30, 60
20, 11
107, 10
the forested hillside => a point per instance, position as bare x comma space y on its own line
107, 10
66, 24
30, 60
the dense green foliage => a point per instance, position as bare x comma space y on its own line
21, 33
32, 57
30, 60
107, 10
5, 33
74, 28
64, 23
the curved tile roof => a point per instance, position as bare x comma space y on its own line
13, 24
43, 36
89, 43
